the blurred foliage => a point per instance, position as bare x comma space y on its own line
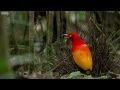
81, 15
21, 59
22, 17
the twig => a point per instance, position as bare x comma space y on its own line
55, 67
97, 26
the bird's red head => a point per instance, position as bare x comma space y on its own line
74, 37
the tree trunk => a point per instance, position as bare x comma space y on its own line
16, 50
5, 68
31, 33
63, 22
58, 25
50, 15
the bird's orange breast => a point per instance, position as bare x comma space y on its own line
82, 57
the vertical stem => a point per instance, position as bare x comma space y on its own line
50, 15
58, 25
31, 33
13, 33
5, 68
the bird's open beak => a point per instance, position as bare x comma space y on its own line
65, 35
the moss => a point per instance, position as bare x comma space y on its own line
79, 75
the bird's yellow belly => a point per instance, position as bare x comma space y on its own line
83, 60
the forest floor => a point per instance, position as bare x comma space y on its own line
26, 71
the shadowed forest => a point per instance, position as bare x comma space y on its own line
32, 45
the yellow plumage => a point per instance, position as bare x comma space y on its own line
83, 58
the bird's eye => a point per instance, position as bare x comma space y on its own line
70, 35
